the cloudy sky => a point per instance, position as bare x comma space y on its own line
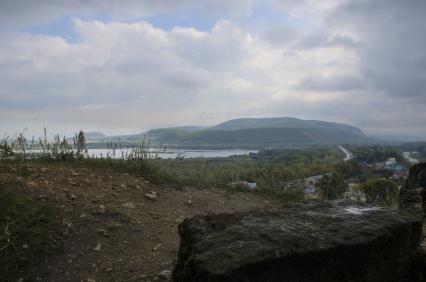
125, 66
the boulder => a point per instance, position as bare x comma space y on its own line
412, 197
313, 241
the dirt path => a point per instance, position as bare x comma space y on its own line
118, 227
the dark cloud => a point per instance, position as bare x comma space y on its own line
393, 39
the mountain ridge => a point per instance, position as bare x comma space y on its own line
251, 133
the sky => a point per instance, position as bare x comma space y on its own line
127, 66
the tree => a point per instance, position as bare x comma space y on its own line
381, 192
348, 169
332, 186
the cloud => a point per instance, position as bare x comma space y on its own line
393, 39
360, 62
27, 12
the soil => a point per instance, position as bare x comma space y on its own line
116, 226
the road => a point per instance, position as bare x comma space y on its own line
349, 155
409, 158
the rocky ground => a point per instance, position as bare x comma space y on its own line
116, 226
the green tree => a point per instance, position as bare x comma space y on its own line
381, 192
332, 186
348, 168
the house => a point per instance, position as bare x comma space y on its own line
395, 167
400, 175
250, 185
309, 189
380, 166
310, 184
390, 161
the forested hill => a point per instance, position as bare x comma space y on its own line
259, 133
285, 122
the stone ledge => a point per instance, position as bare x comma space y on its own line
315, 241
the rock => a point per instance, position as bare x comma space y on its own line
114, 225
31, 184
411, 197
128, 205
97, 248
102, 209
157, 247
190, 202
103, 232
152, 195
165, 275
73, 197
314, 241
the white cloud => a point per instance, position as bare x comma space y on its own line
127, 76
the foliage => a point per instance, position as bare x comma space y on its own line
332, 186
382, 192
348, 169
376, 153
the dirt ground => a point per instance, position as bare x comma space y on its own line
116, 226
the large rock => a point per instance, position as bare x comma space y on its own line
316, 241
412, 195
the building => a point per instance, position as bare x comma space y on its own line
311, 183
249, 185
400, 175
390, 161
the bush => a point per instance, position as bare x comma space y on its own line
332, 186
381, 192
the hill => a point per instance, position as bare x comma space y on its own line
259, 133
94, 136
285, 122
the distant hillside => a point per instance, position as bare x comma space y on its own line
259, 133
243, 133
190, 128
94, 136
286, 122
